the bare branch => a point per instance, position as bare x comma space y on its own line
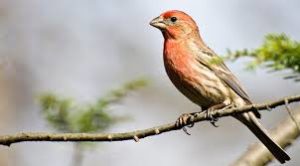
138, 134
284, 134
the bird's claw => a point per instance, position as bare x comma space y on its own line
183, 120
191, 125
185, 131
212, 119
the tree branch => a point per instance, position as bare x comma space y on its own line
284, 134
138, 134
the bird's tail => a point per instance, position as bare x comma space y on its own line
252, 123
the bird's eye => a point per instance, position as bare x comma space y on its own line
173, 19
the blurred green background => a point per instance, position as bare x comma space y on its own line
85, 49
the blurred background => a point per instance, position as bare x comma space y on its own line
82, 49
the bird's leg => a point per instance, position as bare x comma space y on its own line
213, 119
228, 107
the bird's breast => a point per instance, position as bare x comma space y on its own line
194, 80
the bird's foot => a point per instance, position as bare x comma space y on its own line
212, 119
183, 120
209, 111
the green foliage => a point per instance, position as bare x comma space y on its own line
56, 111
277, 52
66, 116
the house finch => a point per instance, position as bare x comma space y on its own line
189, 65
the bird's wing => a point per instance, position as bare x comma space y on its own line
222, 71
226, 75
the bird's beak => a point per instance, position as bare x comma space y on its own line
158, 22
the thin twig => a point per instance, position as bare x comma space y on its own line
133, 135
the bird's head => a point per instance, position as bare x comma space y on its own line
175, 24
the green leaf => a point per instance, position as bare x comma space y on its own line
278, 51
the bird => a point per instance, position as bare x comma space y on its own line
202, 76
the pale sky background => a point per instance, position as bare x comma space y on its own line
84, 48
